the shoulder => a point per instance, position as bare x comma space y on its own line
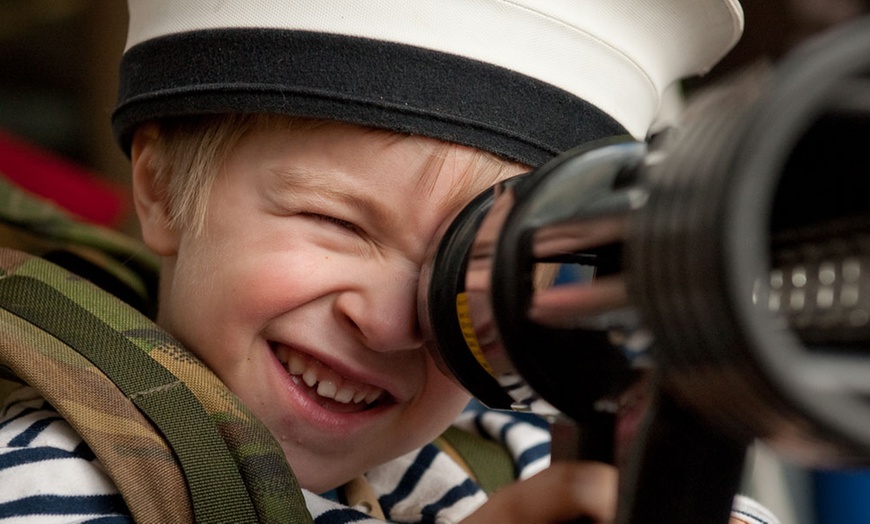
747, 511
46, 467
525, 436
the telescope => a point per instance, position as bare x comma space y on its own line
722, 267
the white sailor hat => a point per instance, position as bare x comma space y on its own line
524, 79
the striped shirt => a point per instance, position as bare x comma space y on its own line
49, 475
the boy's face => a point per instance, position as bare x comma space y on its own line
301, 292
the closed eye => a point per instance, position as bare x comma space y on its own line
350, 226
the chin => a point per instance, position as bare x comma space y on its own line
320, 483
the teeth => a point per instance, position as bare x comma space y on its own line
296, 364
327, 388
310, 377
344, 395
282, 354
326, 382
373, 395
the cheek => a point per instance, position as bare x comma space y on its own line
218, 300
245, 277
445, 399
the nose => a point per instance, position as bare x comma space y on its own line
380, 309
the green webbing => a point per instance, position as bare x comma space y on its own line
489, 461
217, 490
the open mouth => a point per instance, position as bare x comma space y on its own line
326, 387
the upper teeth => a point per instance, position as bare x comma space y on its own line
324, 380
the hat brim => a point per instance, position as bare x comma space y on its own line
358, 80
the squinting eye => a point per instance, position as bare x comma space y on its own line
337, 221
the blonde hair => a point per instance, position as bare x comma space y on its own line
191, 151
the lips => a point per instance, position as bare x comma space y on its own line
329, 389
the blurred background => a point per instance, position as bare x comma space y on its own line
58, 68
58, 64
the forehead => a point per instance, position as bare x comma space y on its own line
445, 170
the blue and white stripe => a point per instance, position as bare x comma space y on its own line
49, 475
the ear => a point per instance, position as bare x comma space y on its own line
150, 195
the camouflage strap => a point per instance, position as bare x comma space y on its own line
216, 488
135, 455
234, 469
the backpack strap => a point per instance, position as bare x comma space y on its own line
488, 462
161, 423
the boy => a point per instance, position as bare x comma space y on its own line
292, 163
